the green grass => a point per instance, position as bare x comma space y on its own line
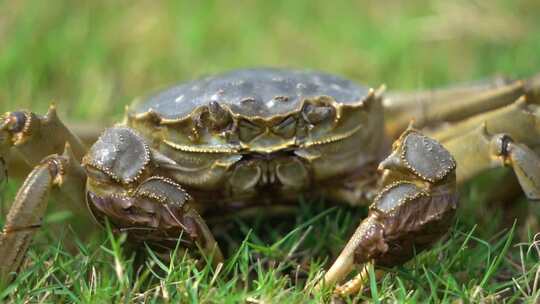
265, 266
93, 58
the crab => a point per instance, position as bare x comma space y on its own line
254, 139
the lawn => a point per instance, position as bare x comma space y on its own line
92, 58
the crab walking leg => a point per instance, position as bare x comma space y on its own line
401, 100
87, 133
24, 217
508, 136
414, 209
26, 138
28, 208
479, 150
520, 119
429, 108
35, 136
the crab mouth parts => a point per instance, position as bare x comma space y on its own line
283, 153
282, 169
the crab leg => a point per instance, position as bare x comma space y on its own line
518, 118
28, 209
26, 138
430, 108
504, 137
33, 137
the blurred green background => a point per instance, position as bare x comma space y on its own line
93, 57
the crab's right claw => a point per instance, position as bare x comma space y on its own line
154, 208
414, 209
159, 213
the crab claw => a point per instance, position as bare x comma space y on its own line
124, 187
412, 211
160, 213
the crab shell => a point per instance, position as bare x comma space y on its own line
239, 131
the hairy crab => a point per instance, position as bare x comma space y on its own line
252, 139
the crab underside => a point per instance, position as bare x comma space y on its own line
255, 139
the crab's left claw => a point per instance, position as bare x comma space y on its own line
414, 209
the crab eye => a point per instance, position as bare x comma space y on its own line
219, 117
315, 114
247, 130
286, 128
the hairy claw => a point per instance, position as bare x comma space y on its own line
412, 211
150, 208
158, 211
